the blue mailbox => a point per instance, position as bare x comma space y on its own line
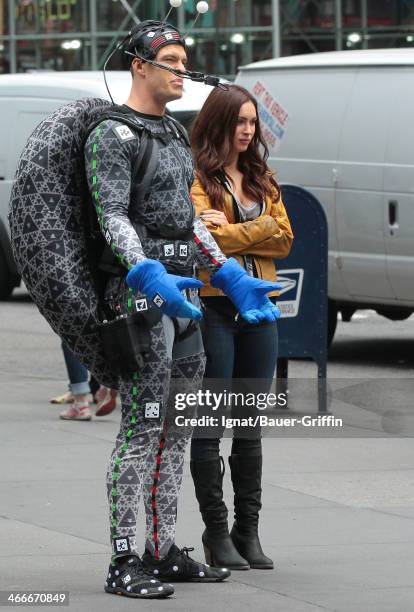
304, 277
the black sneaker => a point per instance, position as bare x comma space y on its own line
128, 576
179, 566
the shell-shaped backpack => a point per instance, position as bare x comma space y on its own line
48, 212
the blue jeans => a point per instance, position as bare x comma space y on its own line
77, 373
234, 350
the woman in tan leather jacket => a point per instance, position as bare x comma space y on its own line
237, 198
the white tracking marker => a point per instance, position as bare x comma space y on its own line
173, 4
202, 7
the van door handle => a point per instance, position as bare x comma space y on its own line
393, 214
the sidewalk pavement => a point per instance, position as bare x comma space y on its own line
338, 517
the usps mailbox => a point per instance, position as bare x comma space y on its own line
304, 277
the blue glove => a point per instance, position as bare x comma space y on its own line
150, 277
247, 293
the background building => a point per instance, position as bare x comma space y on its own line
78, 34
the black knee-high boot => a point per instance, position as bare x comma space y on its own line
246, 475
218, 546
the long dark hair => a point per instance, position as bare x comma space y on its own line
212, 137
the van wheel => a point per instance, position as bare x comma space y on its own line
395, 315
6, 281
346, 313
332, 320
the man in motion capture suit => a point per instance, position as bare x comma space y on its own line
147, 219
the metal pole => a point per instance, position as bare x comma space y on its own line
364, 20
338, 25
181, 18
276, 28
93, 26
12, 32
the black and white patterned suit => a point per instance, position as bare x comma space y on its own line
159, 224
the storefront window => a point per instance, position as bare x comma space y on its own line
119, 61
308, 14
52, 55
221, 40
231, 13
4, 18
51, 16
4, 58
307, 44
222, 56
388, 41
112, 16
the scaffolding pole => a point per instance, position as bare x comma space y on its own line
12, 40
338, 25
276, 28
364, 20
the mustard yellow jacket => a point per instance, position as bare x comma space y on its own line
264, 238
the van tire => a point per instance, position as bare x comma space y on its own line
332, 320
6, 279
394, 314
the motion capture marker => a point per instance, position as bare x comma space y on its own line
160, 588
156, 572
152, 410
151, 34
201, 574
173, 4
158, 300
202, 7
141, 304
129, 588
143, 591
124, 133
169, 250
122, 545
175, 568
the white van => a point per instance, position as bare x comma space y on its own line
341, 124
25, 99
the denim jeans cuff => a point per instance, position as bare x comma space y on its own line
80, 388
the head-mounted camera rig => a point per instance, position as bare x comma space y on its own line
148, 37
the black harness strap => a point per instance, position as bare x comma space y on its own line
100, 254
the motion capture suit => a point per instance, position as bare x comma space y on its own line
153, 221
